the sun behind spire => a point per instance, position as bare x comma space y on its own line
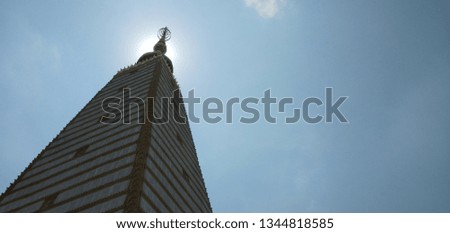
163, 35
160, 47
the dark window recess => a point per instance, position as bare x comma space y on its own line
49, 201
180, 140
81, 151
186, 176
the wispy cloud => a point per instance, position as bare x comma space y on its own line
266, 8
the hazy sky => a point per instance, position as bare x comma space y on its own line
391, 58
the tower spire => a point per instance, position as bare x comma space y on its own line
163, 35
159, 48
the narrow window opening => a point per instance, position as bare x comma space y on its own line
180, 140
49, 201
81, 151
186, 177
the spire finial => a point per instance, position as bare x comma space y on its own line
163, 35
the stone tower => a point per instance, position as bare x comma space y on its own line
119, 161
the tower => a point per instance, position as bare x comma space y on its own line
119, 153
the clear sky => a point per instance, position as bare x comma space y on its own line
390, 57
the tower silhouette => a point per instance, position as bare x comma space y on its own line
138, 157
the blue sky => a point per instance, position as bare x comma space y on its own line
390, 57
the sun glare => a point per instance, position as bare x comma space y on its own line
147, 46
